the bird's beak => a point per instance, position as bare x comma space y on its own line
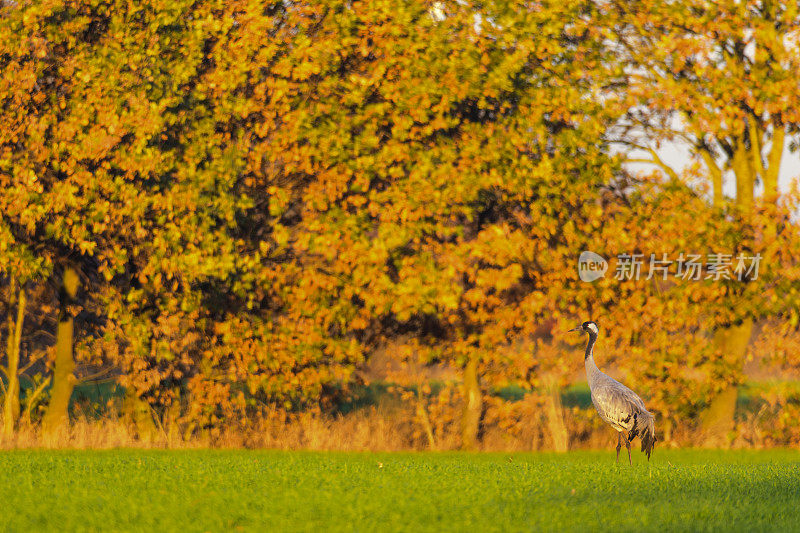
575, 329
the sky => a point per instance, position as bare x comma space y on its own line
677, 156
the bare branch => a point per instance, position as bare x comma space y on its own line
656, 160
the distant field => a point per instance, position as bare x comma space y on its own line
200, 490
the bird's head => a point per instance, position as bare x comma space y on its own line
587, 327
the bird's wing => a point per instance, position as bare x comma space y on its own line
618, 404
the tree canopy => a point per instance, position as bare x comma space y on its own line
258, 197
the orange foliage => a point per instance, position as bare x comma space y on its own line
262, 196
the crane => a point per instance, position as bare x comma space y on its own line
615, 403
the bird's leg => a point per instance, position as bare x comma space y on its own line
628, 445
619, 444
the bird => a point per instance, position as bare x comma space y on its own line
618, 405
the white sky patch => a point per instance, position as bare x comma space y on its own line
437, 12
678, 156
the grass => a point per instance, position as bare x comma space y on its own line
220, 490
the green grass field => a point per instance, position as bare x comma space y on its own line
129, 490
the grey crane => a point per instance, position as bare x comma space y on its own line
617, 404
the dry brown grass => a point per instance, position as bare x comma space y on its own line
370, 429
85, 433
375, 428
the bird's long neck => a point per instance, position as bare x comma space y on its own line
590, 346
592, 372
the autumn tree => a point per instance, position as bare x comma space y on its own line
426, 169
240, 202
718, 78
109, 175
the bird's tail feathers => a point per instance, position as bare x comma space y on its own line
648, 434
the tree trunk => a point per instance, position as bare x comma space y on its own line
11, 400
137, 413
473, 406
63, 378
424, 419
742, 168
717, 420
555, 416
716, 175
774, 163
